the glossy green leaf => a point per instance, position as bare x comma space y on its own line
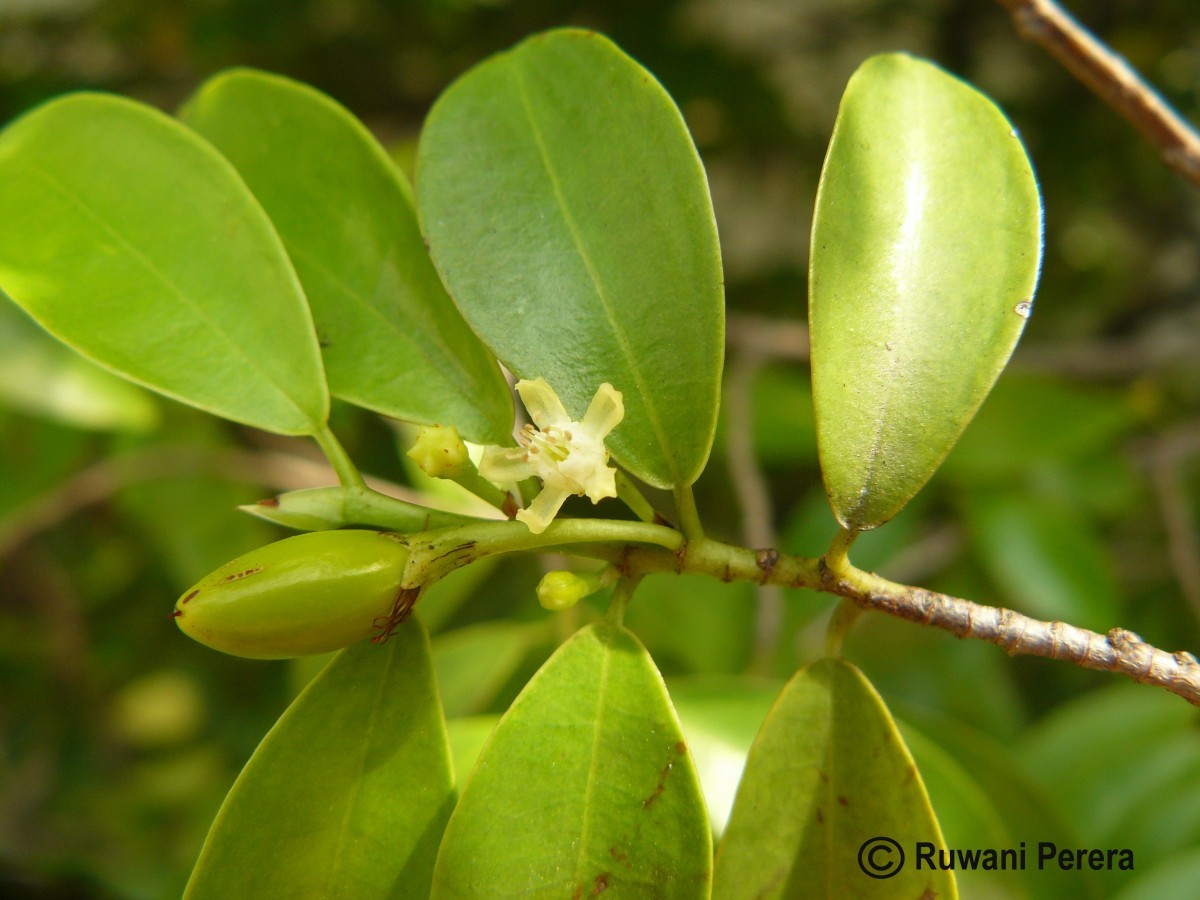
827, 774
568, 214
132, 240
586, 786
392, 339
348, 794
925, 251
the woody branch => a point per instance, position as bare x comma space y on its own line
1112, 79
1118, 651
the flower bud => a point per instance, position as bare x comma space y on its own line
440, 453
311, 509
327, 508
562, 590
311, 593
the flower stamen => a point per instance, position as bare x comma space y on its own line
568, 456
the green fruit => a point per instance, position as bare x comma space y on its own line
307, 594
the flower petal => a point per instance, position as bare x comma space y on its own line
504, 465
601, 484
543, 404
541, 512
605, 412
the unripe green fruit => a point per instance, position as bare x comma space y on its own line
311, 593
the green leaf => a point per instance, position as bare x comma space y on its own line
925, 251
586, 785
827, 774
567, 211
348, 794
132, 240
391, 338
467, 739
1025, 807
966, 816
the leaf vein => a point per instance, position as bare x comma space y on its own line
619, 333
167, 282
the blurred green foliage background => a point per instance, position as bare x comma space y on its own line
1073, 495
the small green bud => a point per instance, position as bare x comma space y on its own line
562, 590
311, 509
440, 453
311, 593
327, 508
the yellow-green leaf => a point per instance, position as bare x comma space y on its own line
131, 239
925, 252
585, 787
392, 339
348, 794
830, 804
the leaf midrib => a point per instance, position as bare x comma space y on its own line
862, 501
618, 332
149, 265
593, 763
343, 829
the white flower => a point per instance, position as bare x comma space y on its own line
569, 457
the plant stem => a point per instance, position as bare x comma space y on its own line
436, 553
689, 518
1112, 79
836, 557
343, 466
629, 494
637, 548
845, 615
476, 484
619, 602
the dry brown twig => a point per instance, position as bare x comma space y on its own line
1112, 79
1119, 651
